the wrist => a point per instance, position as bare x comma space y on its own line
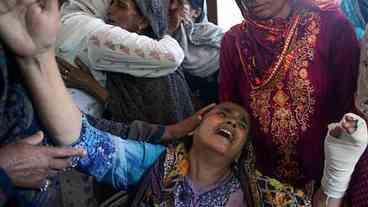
38, 59
102, 95
171, 132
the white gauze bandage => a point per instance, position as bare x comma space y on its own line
341, 156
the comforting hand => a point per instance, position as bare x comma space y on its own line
73, 76
186, 126
29, 165
80, 77
29, 27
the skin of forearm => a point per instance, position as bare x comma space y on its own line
51, 100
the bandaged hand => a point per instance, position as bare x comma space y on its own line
344, 144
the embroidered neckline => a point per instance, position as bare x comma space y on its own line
257, 82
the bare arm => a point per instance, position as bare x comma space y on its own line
29, 28
50, 97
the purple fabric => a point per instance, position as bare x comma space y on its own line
162, 186
331, 74
358, 189
219, 194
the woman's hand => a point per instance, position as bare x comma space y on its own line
186, 126
80, 77
75, 77
29, 165
348, 125
29, 27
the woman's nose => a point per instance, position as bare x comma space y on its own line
231, 122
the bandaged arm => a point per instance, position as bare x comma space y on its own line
341, 156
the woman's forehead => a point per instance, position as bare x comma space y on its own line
233, 109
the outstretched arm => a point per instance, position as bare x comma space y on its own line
29, 28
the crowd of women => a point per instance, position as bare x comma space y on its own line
291, 80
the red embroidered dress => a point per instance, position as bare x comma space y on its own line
294, 76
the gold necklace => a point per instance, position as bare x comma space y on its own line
288, 40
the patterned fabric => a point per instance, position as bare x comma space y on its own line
166, 185
333, 95
292, 105
357, 12
186, 196
106, 48
276, 194
112, 49
163, 100
138, 130
100, 150
113, 160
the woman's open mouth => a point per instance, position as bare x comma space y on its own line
225, 132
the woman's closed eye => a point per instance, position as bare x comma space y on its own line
222, 114
242, 125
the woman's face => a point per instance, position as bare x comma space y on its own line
223, 130
125, 14
267, 9
190, 13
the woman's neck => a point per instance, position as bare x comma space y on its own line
285, 12
205, 172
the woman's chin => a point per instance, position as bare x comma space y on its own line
221, 147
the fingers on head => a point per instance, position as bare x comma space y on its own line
205, 110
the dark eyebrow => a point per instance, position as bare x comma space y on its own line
226, 109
